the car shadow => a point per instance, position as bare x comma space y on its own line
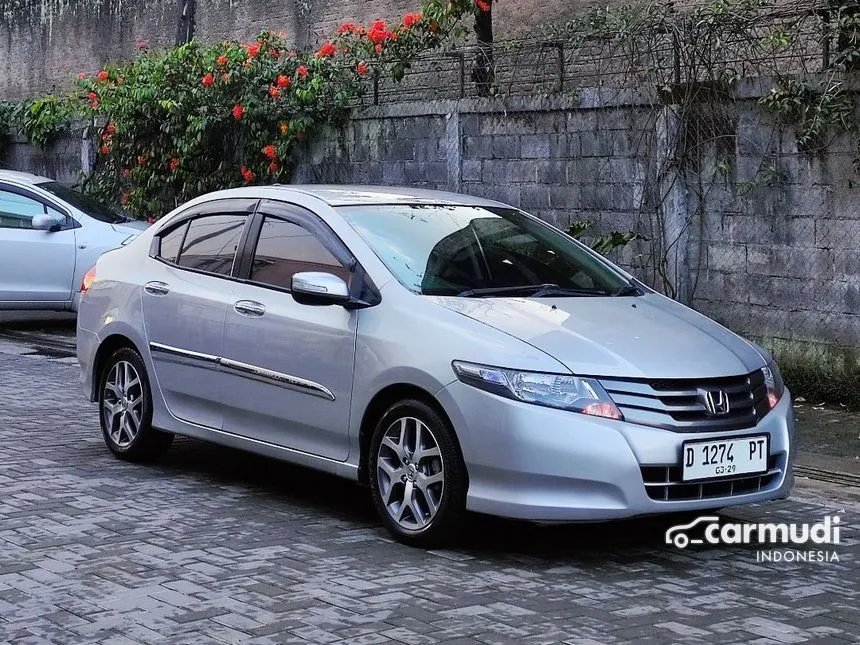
483, 536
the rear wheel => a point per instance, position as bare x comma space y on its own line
417, 475
125, 409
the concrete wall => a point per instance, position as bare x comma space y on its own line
776, 261
768, 256
45, 43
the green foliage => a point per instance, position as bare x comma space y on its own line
43, 119
6, 110
815, 113
604, 243
174, 124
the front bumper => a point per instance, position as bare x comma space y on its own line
529, 462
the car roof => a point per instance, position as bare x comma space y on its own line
354, 195
22, 177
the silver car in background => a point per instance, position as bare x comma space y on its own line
50, 236
452, 353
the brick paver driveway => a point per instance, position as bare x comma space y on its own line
212, 545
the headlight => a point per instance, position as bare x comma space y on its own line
563, 391
773, 381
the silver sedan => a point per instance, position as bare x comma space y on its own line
453, 353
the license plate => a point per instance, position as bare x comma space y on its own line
725, 457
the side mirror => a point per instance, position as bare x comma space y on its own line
319, 288
45, 222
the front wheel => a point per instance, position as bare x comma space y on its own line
417, 475
125, 409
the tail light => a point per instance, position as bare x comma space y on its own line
88, 280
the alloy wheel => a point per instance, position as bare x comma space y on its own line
122, 403
410, 473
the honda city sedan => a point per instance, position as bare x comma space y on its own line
452, 353
50, 235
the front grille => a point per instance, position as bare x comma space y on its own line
663, 483
676, 404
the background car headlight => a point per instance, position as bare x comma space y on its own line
773, 381
563, 391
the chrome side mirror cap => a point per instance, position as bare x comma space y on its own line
319, 288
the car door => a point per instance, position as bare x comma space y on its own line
37, 267
188, 291
288, 367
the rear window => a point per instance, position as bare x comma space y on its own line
171, 243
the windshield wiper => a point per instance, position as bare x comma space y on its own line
532, 290
629, 289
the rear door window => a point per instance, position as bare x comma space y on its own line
209, 244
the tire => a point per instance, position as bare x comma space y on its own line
125, 411
433, 514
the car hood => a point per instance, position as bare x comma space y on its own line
648, 336
133, 227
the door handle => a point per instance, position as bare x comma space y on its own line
156, 288
249, 308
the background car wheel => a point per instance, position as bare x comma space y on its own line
125, 409
417, 475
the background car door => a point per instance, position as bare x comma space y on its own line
288, 367
185, 300
35, 266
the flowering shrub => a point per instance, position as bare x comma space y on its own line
195, 118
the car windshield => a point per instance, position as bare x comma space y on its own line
475, 251
85, 203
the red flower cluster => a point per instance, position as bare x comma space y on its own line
346, 28
283, 81
274, 167
410, 19
271, 152
110, 128
222, 60
238, 111
361, 68
326, 50
483, 5
173, 164
141, 161
274, 53
124, 199
302, 71
105, 149
82, 76
378, 32
126, 172
208, 80
92, 96
247, 175
274, 92
253, 49
103, 76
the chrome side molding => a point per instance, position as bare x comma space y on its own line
252, 371
187, 353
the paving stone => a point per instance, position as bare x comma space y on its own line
211, 545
